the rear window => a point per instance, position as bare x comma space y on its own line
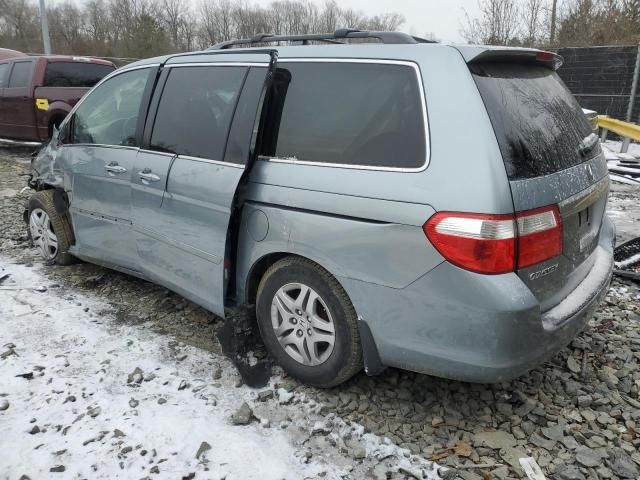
538, 123
361, 114
20, 75
75, 74
195, 111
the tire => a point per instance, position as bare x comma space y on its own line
49, 230
307, 356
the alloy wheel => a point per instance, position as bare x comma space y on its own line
42, 234
303, 324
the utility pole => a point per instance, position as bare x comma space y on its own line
45, 29
554, 9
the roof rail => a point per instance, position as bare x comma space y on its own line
335, 37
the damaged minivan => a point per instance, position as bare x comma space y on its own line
434, 208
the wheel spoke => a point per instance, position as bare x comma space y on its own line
323, 338
286, 301
281, 329
33, 224
314, 358
300, 302
37, 220
289, 339
308, 353
52, 237
285, 313
320, 324
312, 299
53, 243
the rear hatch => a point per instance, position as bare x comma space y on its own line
552, 159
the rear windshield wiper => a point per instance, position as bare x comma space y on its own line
588, 144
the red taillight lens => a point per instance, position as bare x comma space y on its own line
545, 56
480, 243
494, 244
539, 235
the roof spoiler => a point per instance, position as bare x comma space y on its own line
544, 58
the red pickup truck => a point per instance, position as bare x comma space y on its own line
36, 93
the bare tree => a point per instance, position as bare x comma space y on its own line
497, 24
97, 26
352, 19
330, 16
173, 12
532, 17
136, 28
21, 19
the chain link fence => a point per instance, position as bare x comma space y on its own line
602, 79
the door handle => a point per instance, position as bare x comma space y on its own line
148, 175
113, 167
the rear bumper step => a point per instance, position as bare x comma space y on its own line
585, 294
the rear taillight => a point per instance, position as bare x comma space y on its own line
494, 244
480, 243
539, 235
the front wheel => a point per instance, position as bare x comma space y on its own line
308, 323
49, 231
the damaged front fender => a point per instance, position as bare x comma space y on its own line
45, 169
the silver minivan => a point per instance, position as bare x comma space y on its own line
409, 204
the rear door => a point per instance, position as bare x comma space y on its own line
18, 104
552, 158
196, 148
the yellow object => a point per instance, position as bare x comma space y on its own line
625, 129
42, 104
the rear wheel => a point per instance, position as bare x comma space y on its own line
49, 231
308, 323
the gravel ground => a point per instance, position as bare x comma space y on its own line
578, 415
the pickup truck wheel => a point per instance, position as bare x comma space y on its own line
308, 323
48, 230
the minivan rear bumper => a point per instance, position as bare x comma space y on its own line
461, 325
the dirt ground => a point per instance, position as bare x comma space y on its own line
578, 415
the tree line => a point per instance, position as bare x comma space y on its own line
144, 28
554, 22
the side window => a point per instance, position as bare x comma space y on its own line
195, 110
20, 75
75, 74
4, 69
361, 114
109, 114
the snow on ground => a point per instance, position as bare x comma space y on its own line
88, 413
614, 147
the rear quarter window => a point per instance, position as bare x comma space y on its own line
355, 114
20, 75
75, 74
4, 69
537, 121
